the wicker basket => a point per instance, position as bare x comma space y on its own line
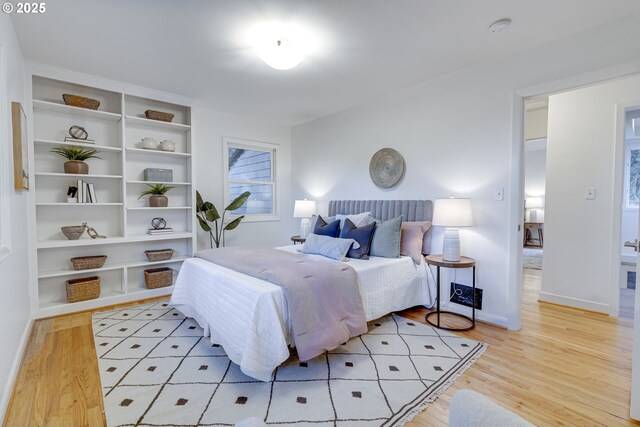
88, 262
80, 101
158, 115
73, 232
158, 277
83, 289
159, 254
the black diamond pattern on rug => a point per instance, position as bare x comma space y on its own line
157, 369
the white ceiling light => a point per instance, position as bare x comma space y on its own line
280, 53
282, 45
500, 25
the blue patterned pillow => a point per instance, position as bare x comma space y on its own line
362, 235
331, 247
323, 229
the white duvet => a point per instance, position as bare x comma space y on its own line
249, 316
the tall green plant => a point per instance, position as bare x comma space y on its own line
207, 213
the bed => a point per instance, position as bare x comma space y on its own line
249, 317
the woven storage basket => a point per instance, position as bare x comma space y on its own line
158, 277
158, 115
83, 289
88, 262
80, 101
159, 254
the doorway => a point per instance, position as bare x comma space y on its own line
583, 186
535, 157
629, 218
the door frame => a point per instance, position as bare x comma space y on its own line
516, 199
618, 190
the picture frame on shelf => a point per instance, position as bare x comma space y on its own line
20, 147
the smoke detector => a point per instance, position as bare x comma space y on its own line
500, 25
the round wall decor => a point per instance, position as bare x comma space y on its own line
386, 168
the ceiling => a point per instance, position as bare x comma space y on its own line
365, 48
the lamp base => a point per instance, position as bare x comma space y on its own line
305, 227
533, 215
451, 245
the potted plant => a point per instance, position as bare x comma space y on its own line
207, 213
76, 157
157, 197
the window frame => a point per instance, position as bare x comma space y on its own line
631, 144
248, 144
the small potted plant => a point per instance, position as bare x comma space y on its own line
76, 157
157, 197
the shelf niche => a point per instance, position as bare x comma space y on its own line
117, 128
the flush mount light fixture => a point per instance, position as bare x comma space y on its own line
280, 53
282, 45
500, 25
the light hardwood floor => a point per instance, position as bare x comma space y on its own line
566, 367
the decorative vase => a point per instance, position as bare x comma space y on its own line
157, 201
168, 145
76, 166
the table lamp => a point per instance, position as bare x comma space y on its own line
533, 203
304, 209
452, 213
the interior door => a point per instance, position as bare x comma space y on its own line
635, 364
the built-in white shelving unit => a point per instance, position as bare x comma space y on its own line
117, 128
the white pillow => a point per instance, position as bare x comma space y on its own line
331, 247
357, 219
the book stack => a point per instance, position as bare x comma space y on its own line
85, 192
157, 231
81, 141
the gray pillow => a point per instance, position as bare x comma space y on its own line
386, 238
331, 247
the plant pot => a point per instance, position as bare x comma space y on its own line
76, 166
157, 201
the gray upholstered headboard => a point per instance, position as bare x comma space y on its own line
411, 210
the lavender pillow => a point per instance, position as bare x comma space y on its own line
411, 240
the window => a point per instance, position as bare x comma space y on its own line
250, 166
632, 175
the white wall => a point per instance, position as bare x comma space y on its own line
456, 136
210, 126
14, 269
534, 172
534, 177
535, 124
581, 152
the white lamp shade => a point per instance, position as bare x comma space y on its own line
452, 213
304, 208
533, 202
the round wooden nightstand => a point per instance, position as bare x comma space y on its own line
465, 262
297, 239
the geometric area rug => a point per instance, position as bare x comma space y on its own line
157, 369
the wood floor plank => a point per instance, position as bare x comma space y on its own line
565, 367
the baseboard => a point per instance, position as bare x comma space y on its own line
574, 302
483, 316
15, 368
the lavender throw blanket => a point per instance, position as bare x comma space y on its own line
325, 307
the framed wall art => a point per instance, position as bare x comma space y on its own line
20, 151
